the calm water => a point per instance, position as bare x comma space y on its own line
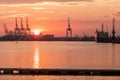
81, 55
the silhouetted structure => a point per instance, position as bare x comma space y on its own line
19, 33
16, 30
5, 29
113, 31
69, 30
23, 32
101, 36
7, 32
28, 30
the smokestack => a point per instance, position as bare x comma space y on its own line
102, 27
113, 24
113, 31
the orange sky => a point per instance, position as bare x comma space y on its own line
51, 15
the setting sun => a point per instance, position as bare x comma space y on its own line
37, 32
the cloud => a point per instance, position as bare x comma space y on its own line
117, 14
15, 15
72, 3
49, 12
38, 8
3, 12
35, 1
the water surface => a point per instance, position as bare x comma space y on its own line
72, 55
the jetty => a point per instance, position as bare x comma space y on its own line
62, 72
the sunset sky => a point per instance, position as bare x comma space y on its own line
50, 16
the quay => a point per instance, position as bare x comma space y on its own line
62, 72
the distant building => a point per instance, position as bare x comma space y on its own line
101, 35
47, 37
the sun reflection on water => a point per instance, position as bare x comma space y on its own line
36, 58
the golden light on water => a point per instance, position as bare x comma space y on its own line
36, 58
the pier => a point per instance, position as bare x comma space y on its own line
62, 72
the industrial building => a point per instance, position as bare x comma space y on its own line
103, 36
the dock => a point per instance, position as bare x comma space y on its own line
62, 72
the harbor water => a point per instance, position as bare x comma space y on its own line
57, 55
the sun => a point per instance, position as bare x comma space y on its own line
37, 32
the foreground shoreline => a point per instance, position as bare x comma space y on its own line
63, 72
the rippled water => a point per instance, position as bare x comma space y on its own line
81, 55
58, 78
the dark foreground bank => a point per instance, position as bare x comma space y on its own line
66, 72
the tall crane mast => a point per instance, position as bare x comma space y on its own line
5, 29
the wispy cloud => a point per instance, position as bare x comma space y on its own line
117, 14
14, 15
42, 19
49, 12
2, 12
38, 8
73, 3
34, 1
